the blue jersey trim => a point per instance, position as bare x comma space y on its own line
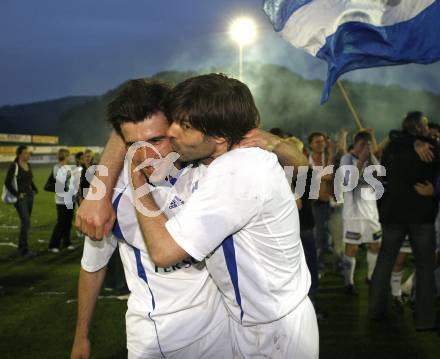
172, 180
143, 276
117, 232
231, 263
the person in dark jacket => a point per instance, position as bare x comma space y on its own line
409, 206
24, 192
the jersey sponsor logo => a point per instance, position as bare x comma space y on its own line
176, 202
186, 263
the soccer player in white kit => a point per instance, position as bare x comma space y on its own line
360, 215
242, 218
173, 311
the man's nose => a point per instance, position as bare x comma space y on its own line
173, 130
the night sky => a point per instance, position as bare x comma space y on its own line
55, 48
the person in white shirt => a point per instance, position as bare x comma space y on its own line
65, 191
241, 218
173, 311
360, 214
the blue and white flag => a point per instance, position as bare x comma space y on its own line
355, 34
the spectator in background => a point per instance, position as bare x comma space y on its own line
63, 174
24, 192
307, 233
88, 158
79, 161
335, 224
434, 133
408, 207
87, 163
318, 143
360, 215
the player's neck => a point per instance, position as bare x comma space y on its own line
220, 149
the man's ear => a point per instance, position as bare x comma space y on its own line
220, 140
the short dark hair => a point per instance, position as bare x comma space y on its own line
20, 149
412, 121
137, 100
362, 136
78, 155
277, 132
214, 104
316, 134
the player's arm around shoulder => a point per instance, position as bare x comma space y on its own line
288, 151
95, 217
89, 286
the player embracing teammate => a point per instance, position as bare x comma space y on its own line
244, 227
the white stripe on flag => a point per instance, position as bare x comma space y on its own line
310, 25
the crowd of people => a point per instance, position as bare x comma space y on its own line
394, 216
230, 244
72, 185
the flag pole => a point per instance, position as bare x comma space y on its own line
350, 105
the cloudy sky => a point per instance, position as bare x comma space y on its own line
55, 48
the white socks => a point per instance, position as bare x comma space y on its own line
371, 263
409, 283
349, 264
396, 281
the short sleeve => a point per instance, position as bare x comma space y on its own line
225, 201
96, 254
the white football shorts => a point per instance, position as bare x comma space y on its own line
293, 336
358, 231
215, 345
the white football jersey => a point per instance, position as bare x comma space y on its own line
355, 206
168, 308
243, 219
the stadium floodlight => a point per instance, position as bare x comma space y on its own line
243, 31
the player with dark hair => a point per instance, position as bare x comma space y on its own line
95, 216
173, 311
246, 227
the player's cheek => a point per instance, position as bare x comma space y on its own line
165, 148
